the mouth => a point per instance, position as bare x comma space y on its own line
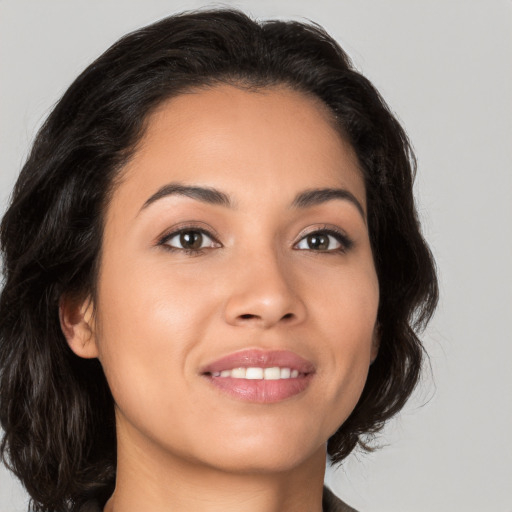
260, 376
258, 373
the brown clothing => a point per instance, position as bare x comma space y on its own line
331, 503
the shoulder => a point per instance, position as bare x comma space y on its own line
331, 503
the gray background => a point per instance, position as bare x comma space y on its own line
445, 68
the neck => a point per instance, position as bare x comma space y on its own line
154, 482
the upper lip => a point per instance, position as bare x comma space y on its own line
260, 359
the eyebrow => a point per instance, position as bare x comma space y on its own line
204, 194
305, 199
317, 196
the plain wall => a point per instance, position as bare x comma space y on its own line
444, 66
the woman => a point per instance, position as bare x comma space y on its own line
214, 274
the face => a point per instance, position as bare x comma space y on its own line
237, 294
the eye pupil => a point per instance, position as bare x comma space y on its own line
318, 242
191, 239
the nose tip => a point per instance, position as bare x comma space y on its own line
264, 299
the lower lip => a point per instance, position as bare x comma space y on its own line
261, 391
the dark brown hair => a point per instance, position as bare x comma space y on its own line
56, 408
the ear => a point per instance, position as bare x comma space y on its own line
77, 324
375, 343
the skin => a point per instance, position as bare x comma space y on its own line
163, 315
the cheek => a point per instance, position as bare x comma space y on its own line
347, 302
356, 316
150, 320
347, 313
142, 302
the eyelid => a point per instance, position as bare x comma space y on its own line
203, 228
343, 238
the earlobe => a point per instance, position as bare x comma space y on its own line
77, 324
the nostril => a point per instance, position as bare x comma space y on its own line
249, 316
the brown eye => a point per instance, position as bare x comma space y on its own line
191, 240
324, 241
318, 242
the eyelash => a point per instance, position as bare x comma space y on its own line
345, 242
186, 229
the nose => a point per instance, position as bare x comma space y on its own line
263, 295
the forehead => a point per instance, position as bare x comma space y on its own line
275, 140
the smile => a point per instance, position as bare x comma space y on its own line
255, 373
260, 376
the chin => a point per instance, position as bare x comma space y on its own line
266, 463
264, 454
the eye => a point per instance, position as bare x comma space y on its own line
189, 240
325, 241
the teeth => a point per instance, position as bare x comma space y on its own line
272, 373
286, 373
255, 373
238, 373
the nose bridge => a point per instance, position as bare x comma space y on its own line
263, 292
